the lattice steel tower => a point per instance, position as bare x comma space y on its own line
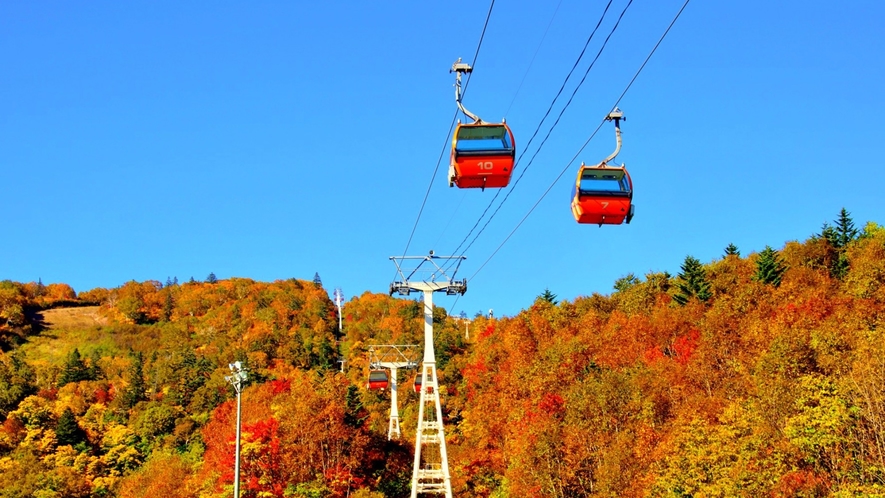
430, 472
393, 357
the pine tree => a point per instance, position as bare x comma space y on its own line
316, 279
355, 414
769, 267
67, 431
137, 388
692, 282
626, 282
845, 230
839, 236
74, 369
732, 250
168, 306
548, 296
93, 371
211, 278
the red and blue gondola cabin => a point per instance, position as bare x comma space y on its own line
482, 155
378, 379
602, 196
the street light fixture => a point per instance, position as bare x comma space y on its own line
237, 378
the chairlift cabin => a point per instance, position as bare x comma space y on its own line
418, 383
482, 155
378, 379
602, 195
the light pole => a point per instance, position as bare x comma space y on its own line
339, 300
236, 379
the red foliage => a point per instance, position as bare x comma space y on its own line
280, 386
261, 472
685, 345
652, 355
490, 329
801, 483
341, 481
102, 396
552, 403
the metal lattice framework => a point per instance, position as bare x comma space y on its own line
430, 472
393, 357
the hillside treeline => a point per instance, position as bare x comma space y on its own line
757, 375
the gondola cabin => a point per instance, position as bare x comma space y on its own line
482, 156
378, 379
602, 195
418, 383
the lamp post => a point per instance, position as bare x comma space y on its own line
236, 379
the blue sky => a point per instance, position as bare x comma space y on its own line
269, 140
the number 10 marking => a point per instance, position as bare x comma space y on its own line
485, 165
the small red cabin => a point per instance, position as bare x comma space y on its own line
602, 195
418, 383
482, 156
378, 379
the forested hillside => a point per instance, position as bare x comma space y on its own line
749, 375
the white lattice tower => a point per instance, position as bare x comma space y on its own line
393, 357
430, 471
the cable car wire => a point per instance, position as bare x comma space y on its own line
552, 127
448, 134
568, 165
532, 62
546, 114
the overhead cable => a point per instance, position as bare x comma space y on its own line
568, 165
451, 126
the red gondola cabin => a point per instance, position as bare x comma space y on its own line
602, 195
418, 383
378, 379
482, 156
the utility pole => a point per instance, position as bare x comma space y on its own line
430, 471
236, 379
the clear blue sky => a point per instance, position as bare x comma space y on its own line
146, 140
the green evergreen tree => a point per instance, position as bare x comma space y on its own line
190, 373
74, 370
626, 282
845, 230
317, 280
67, 431
93, 370
692, 282
732, 250
17, 381
136, 390
769, 267
211, 278
168, 306
355, 413
548, 296
839, 236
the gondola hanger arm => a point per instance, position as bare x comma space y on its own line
460, 68
616, 115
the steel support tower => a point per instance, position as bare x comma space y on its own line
393, 357
430, 472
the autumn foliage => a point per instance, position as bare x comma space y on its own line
745, 376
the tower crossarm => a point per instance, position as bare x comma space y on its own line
394, 355
426, 273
